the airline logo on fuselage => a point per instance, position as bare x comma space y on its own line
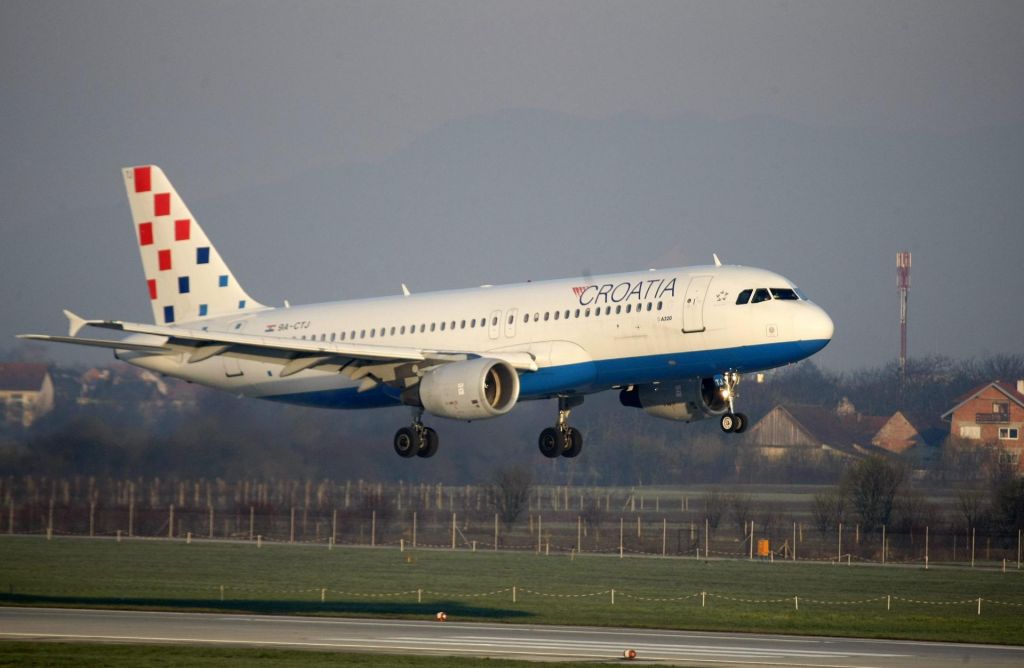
654, 288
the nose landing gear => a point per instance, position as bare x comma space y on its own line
562, 440
731, 422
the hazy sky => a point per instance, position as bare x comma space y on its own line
232, 98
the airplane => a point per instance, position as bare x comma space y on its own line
673, 342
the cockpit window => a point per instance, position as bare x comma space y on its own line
784, 293
744, 296
761, 295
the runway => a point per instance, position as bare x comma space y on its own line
453, 638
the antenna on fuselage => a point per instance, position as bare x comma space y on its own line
718, 263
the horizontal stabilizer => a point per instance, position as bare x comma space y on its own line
95, 343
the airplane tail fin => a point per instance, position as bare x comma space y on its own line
186, 278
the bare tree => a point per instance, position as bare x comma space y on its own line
741, 510
714, 507
872, 485
508, 493
973, 506
829, 510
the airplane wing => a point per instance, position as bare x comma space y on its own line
373, 364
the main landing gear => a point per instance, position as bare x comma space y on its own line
416, 440
731, 422
562, 440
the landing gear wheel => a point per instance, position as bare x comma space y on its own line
574, 442
406, 442
742, 426
428, 447
728, 423
550, 443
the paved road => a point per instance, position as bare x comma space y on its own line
492, 640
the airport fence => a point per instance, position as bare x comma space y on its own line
556, 519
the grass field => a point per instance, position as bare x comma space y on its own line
938, 604
74, 655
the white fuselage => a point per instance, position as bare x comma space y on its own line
585, 334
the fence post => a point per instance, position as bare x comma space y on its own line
373, 528
414, 529
92, 519
973, 530
211, 520
131, 517
513, 593
613, 597
664, 536
620, 537
49, 521
794, 541
839, 554
495, 532
291, 527
252, 522
259, 541
751, 540
453, 531
579, 533
222, 592
703, 597
540, 524
796, 603
707, 539
926, 548
979, 605
323, 594
170, 523
885, 545
888, 602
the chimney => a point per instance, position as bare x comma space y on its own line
1020, 386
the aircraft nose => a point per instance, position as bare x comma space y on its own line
816, 329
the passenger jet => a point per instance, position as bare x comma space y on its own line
672, 342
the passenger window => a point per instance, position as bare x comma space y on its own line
442, 326
618, 309
629, 308
744, 297
373, 332
761, 295
392, 331
423, 327
607, 310
402, 331
649, 306
472, 323
659, 306
597, 312
536, 317
785, 294
362, 333
577, 313
332, 337
586, 313
433, 326
546, 314
557, 313
462, 325
343, 336
511, 319
452, 325
566, 314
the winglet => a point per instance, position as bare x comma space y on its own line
75, 323
718, 263
405, 290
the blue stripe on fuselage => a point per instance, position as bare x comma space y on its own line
595, 376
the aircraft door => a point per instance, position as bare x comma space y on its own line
510, 322
494, 324
693, 304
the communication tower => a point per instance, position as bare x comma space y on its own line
903, 282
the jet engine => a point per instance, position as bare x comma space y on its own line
684, 402
471, 390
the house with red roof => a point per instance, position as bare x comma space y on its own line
992, 414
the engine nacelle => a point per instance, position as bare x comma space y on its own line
471, 390
684, 402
